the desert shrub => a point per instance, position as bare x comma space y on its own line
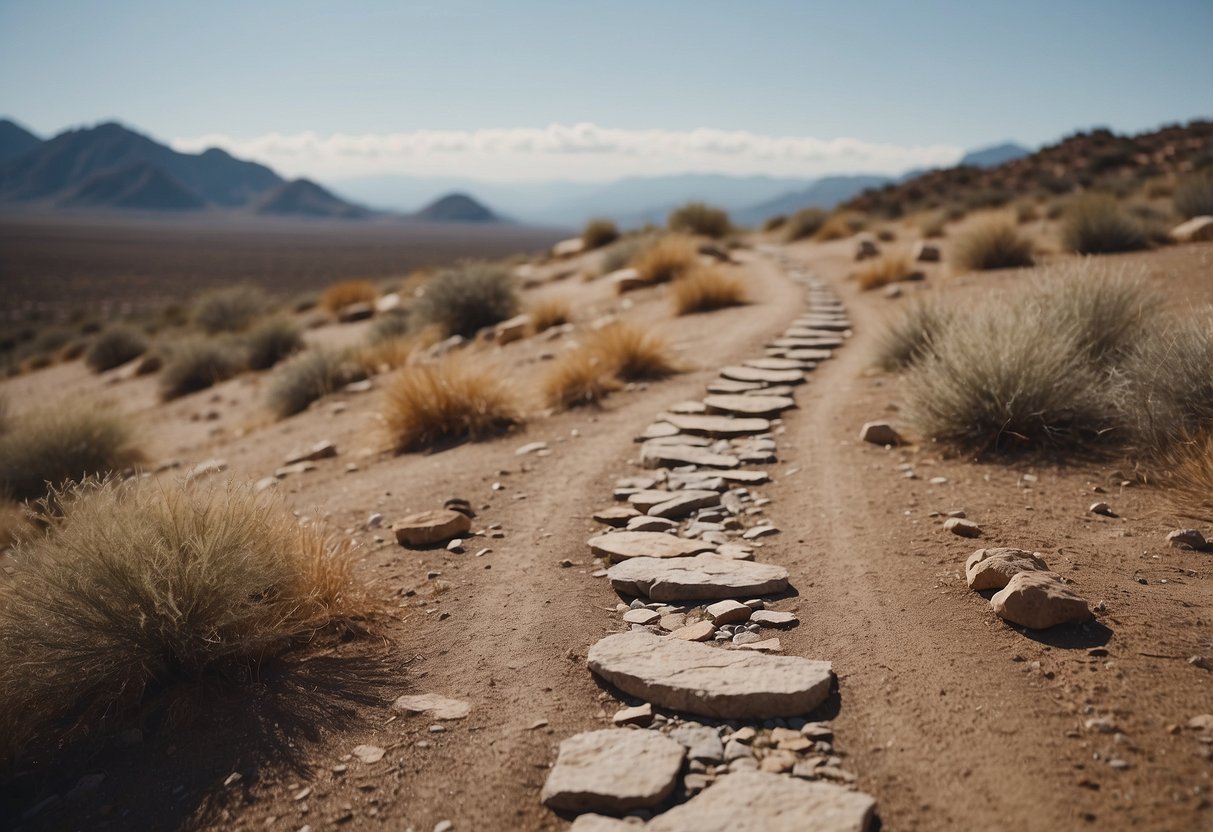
1097, 224
141, 588
839, 226
631, 353
700, 218
774, 223
883, 270
346, 293
909, 337
577, 378
804, 224
1109, 309
231, 309
13, 522
192, 364
598, 233
63, 444
1190, 462
1169, 386
389, 326
705, 289
313, 375
73, 349
550, 312
1194, 195
271, 340
666, 259
115, 346
51, 339
463, 300
623, 252
1026, 212
933, 227
994, 244
448, 401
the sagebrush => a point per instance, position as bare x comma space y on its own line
451, 400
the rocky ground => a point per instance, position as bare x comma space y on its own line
805, 642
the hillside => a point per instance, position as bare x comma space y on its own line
989, 157
304, 198
456, 208
15, 140
1095, 160
823, 193
137, 186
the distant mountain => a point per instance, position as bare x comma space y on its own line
137, 186
15, 140
304, 198
989, 157
456, 208
826, 193
62, 165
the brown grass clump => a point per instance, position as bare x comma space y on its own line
310, 376
933, 227
706, 289
13, 522
598, 233
1097, 224
230, 310
271, 340
348, 292
140, 588
839, 227
193, 364
550, 312
448, 401
700, 218
886, 269
667, 259
909, 337
804, 224
465, 299
994, 244
577, 378
1194, 195
62, 444
1191, 464
631, 353
115, 346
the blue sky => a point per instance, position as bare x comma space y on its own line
337, 88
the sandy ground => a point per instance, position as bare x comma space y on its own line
951, 718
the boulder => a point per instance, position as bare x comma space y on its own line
621, 546
879, 433
1039, 600
431, 527
993, 568
696, 578
1195, 230
1187, 539
613, 770
696, 678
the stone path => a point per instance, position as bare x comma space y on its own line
714, 730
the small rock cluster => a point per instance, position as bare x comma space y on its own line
1028, 593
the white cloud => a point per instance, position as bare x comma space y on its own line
577, 151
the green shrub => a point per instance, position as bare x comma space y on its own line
271, 340
389, 326
115, 346
598, 233
195, 363
804, 224
231, 309
63, 444
311, 376
994, 244
463, 300
1168, 384
1097, 224
1194, 195
700, 218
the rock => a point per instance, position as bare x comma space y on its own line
688, 408
649, 497
925, 252
773, 618
355, 312
460, 505
431, 527
673, 456
745, 637
777, 363
718, 425
728, 612
702, 743
962, 527
744, 477
613, 771
865, 248
755, 375
807, 354
568, 248
658, 430
438, 707
1187, 539
1102, 508
1201, 722
700, 679
1039, 600
699, 631
759, 531
368, 753
616, 515
514, 329
202, 469
601, 823
1195, 230
760, 406
641, 616
640, 715
321, 450
683, 503
264, 483
291, 470
993, 568
770, 645
728, 388
644, 523
880, 433
625, 280
619, 546
673, 621
388, 302
531, 448
696, 578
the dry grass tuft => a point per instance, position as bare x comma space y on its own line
886, 269
271, 340
346, 293
139, 587
1097, 224
308, 377
632, 354
463, 300
452, 400
839, 227
195, 363
1191, 464
994, 244
114, 347
550, 312
804, 224
667, 259
61, 444
909, 337
578, 377
705, 289
598, 233
1170, 386
1194, 195
13, 523
700, 218
232, 309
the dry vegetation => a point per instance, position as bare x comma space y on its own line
347, 293
705, 289
550, 312
886, 269
804, 224
702, 219
1194, 195
428, 405
609, 356
311, 376
115, 346
599, 233
463, 300
271, 340
1098, 224
667, 259
140, 587
578, 377
839, 226
231, 309
993, 244
195, 363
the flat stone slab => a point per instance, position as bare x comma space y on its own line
687, 407
701, 577
744, 405
696, 678
726, 387
746, 477
616, 515
613, 770
1038, 600
994, 568
757, 801
753, 374
720, 425
808, 354
438, 707
620, 546
823, 341
672, 456
682, 503
431, 527
646, 499
774, 618
774, 364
